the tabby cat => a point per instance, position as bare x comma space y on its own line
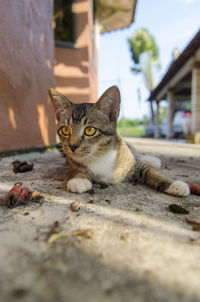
95, 152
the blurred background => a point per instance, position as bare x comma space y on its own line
149, 49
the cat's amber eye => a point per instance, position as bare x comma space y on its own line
65, 130
89, 131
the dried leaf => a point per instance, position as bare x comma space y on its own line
103, 185
25, 194
175, 208
34, 195
53, 229
85, 233
20, 167
18, 196
55, 237
124, 236
195, 241
15, 190
26, 213
195, 224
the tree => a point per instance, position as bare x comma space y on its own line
145, 56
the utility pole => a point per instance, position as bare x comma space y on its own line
122, 107
119, 84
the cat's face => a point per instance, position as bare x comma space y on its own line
87, 130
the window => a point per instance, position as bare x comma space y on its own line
63, 23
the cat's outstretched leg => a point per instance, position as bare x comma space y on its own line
150, 176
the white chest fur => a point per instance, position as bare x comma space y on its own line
103, 166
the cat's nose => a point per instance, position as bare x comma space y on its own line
73, 147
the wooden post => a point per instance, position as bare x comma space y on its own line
152, 112
195, 122
156, 125
170, 98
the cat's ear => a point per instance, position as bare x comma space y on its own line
60, 102
109, 103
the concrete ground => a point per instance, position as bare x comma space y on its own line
138, 251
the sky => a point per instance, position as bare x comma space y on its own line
173, 23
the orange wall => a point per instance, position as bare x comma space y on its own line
26, 72
76, 69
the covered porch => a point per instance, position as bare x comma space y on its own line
181, 84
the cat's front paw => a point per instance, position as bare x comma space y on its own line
178, 188
79, 185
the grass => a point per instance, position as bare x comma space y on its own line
136, 131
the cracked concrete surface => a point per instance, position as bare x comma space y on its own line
140, 250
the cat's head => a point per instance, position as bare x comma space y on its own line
87, 129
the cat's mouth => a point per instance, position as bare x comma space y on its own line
80, 154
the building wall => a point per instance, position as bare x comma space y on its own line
76, 69
26, 72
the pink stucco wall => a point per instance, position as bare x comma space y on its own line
76, 69
26, 72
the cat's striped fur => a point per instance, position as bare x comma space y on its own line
104, 156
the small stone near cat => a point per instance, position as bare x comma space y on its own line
75, 206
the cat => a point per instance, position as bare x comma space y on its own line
95, 152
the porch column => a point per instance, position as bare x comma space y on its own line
170, 99
156, 127
195, 122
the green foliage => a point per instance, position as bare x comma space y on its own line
145, 55
136, 70
129, 123
142, 41
188, 105
162, 114
63, 21
146, 120
135, 127
137, 131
